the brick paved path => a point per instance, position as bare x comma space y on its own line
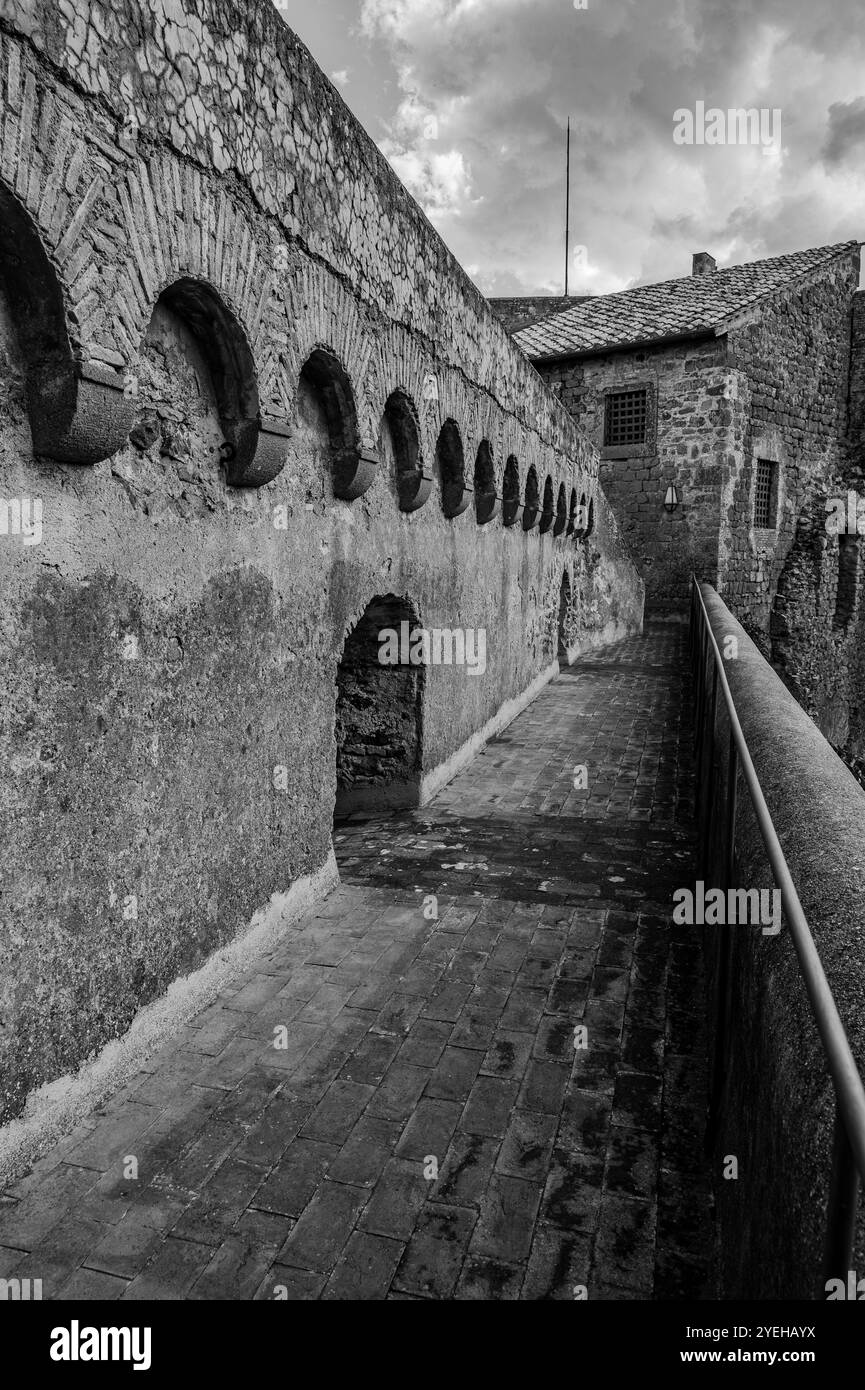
309, 1170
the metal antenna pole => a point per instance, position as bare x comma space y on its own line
567, 207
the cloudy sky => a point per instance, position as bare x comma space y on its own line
469, 101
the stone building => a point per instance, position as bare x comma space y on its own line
739, 389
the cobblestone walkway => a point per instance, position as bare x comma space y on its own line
428, 1129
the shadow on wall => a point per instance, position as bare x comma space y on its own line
379, 710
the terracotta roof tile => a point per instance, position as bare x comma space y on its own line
690, 305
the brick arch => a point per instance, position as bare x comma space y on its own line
511, 504
487, 499
353, 469
548, 506
178, 226
413, 480
399, 374
480, 424
322, 315
397, 363
450, 468
79, 409
455, 402
531, 499
256, 456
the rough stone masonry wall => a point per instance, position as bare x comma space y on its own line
174, 638
783, 585
854, 476
693, 409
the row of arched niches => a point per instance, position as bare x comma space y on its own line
84, 412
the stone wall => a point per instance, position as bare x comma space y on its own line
693, 405
854, 477
787, 587
212, 291
774, 387
794, 360
521, 310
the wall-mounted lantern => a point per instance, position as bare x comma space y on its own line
671, 501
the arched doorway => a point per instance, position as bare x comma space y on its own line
378, 712
564, 607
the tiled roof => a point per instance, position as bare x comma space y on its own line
693, 305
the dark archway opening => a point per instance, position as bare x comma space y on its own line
379, 708
564, 607
572, 513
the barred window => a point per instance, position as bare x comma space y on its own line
625, 418
764, 495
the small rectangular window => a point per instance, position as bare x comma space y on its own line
625, 418
765, 495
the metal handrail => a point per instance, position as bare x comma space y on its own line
848, 1157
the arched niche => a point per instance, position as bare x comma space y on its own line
413, 482
532, 502
511, 493
486, 499
256, 448
80, 410
450, 467
548, 510
561, 512
352, 469
572, 512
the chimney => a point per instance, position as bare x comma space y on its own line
703, 264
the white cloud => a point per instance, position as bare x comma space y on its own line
500, 77
440, 182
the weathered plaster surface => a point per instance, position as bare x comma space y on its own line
171, 645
